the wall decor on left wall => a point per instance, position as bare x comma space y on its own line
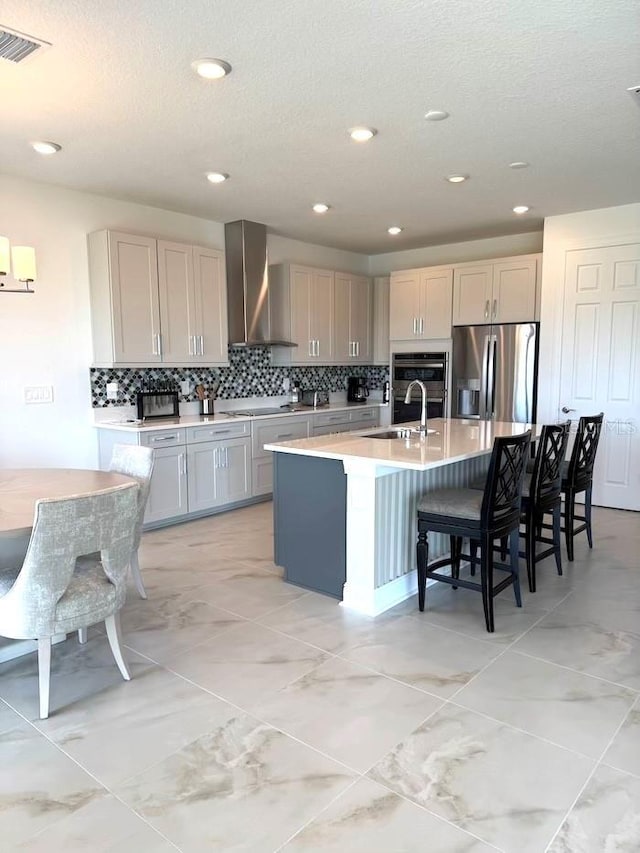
24, 266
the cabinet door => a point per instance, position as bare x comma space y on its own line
404, 306
233, 477
344, 350
203, 462
210, 304
472, 288
436, 303
168, 492
360, 314
301, 308
175, 282
322, 314
133, 266
381, 286
514, 291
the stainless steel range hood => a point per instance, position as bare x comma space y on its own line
248, 300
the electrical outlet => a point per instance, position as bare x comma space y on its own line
185, 388
112, 390
286, 384
38, 394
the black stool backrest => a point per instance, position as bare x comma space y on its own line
546, 479
503, 489
583, 455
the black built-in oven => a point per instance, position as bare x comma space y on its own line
428, 367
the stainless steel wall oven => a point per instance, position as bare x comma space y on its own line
430, 368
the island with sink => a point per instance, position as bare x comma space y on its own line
345, 505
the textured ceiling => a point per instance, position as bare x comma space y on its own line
537, 80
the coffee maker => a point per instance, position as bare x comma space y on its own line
357, 389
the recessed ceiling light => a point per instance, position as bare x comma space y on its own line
457, 179
518, 164
217, 177
46, 147
436, 115
211, 69
520, 209
395, 229
321, 207
362, 134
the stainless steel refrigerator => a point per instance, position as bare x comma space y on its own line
494, 372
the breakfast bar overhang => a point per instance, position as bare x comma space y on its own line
345, 505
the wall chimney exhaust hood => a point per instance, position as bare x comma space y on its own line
248, 300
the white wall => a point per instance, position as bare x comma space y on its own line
283, 249
451, 253
605, 226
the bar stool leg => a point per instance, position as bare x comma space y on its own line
486, 581
587, 513
454, 545
422, 550
557, 521
532, 522
569, 512
514, 548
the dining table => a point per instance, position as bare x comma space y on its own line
20, 490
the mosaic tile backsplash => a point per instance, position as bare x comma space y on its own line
249, 374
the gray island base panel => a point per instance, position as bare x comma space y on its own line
310, 522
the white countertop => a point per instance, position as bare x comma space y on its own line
222, 417
453, 441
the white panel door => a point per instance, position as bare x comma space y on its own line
601, 363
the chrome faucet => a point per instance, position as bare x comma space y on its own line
423, 413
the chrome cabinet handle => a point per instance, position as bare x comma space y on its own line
183, 464
495, 308
159, 336
284, 435
215, 457
310, 347
486, 310
154, 344
165, 438
317, 348
226, 457
421, 325
190, 344
415, 325
566, 410
201, 344
358, 348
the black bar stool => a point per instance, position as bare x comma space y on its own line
577, 477
481, 517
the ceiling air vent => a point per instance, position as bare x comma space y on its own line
16, 47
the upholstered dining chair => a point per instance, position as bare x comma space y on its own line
48, 595
482, 518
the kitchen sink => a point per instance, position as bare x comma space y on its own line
400, 432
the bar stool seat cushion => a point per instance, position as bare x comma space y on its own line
455, 503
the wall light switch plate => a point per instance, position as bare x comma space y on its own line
185, 388
38, 394
112, 390
286, 384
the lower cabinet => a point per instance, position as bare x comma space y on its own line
168, 492
219, 473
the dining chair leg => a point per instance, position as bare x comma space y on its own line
569, 512
422, 560
136, 574
587, 514
514, 549
44, 674
557, 523
112, 624
83, 635
486, 581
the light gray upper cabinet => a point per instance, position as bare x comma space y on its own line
420, 304
155, 301
500, 291
353, 319
381, 336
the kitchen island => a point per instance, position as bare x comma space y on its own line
345, 505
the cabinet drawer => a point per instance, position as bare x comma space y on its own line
330, 419
217, 432
331, 429
163, 438
364, 417
280, 429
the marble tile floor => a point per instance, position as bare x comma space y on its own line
262, 717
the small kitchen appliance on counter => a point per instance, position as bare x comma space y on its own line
357, 389
315, 397
160, 403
